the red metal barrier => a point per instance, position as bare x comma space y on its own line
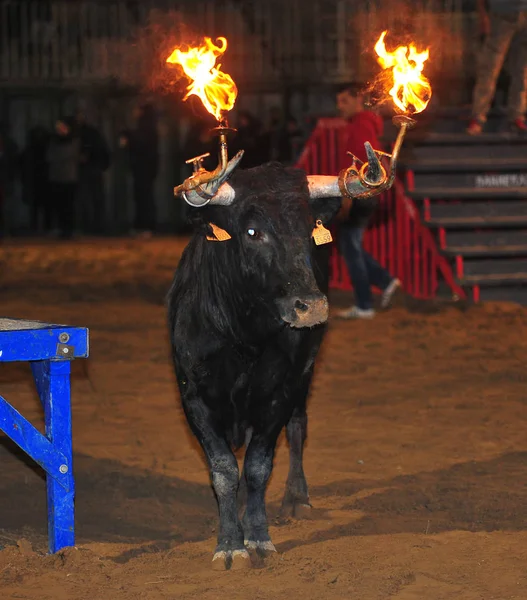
396, 238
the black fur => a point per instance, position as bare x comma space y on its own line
240, 367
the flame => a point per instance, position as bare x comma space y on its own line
411, 90
216, 89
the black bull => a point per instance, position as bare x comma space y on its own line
247, 317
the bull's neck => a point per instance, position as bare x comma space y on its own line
234, 307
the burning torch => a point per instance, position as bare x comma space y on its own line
410, 92
218, 93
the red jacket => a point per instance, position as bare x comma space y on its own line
365, 126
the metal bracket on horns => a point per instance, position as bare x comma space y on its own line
377, 185
197, 162
201, 176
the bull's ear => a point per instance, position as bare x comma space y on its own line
325, 209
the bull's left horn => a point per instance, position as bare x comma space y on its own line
205, 187
350, 182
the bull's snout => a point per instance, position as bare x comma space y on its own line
304, 311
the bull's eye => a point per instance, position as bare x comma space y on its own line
254, 233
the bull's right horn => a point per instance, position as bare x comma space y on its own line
351, 183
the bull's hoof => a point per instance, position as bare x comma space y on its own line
262, 549
263, 554
302, 511
297, 510
231, 560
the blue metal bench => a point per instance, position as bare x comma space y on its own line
49, 349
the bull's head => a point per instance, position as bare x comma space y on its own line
270, 222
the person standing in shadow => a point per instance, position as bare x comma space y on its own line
35, 179
249, 138
277, 139
63, 156
94, 161
143, 147
504, 28
9, 163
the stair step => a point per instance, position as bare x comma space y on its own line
486, 250
497, 237
486, 151
465, 164
466, 222
513, 293
486, 243
473, 267
478, 209
433, 138
491, 193
478, 214
494, 279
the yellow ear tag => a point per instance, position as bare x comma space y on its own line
218, 234
320, 234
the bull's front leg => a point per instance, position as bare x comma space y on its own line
258, 466
230, 552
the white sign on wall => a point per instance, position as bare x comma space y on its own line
501, 180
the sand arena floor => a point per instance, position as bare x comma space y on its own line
416, 458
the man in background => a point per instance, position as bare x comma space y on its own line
143, 146
94, 161
364, 271
35, 180
503, 24
8, 172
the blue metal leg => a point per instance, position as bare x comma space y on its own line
53, 383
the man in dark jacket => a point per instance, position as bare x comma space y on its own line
362, 126
63, 157
8, 172
143, 145
35, 179
249, 138
95, 159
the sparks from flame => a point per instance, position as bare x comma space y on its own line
215, 89
411, 90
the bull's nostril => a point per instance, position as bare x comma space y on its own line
301, 306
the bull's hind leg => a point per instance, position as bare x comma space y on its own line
258, 465
230, 551
296, 497
242, 488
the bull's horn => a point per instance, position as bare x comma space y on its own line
205, 187
373, 170
350, 182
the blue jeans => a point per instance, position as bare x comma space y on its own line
363, 269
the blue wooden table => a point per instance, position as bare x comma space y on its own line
49, 349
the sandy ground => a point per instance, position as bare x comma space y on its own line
417, 451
